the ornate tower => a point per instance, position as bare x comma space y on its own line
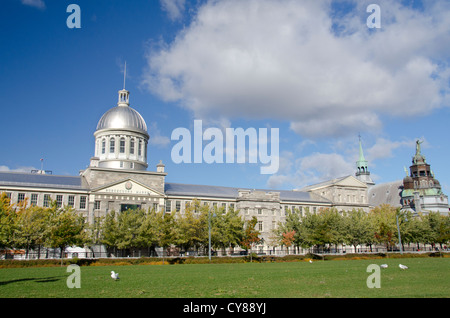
421, 191
362, 171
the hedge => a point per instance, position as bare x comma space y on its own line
205, 260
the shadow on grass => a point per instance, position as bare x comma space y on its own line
37, 280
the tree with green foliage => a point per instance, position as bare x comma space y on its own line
358, 228
329, 229
31, 228
109, 230
7, 221
385, 226
193, 225
148, 232
65, 228
251, 235
92, 234
227, 228
129, 222
437, 228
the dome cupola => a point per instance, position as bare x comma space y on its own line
121, 137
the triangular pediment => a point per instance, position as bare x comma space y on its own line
128, 186
351, 181
347, 181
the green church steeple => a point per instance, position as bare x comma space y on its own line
362, 170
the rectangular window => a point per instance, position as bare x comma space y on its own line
177, 206
132, 146
168, 206
259, 211
47, 200
155, 207
34, 198
96, 205
112, 143
71, 201
231, 207
20, 197
103, 146
59, 200
122, 145
260, 225
82, 202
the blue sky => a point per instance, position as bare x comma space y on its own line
312, 69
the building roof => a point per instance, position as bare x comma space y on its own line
302, 196
178, 189
23, 179
29, 180
122, 117
346, 180
386, 193
200, 190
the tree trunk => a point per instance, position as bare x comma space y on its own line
62, 252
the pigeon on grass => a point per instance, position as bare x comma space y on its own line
114, 275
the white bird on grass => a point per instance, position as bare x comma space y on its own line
402, 266
310, 260
114, 275
384, 266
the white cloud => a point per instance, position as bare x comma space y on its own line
156, 138
174, 8
383, 148
311, 169
283, 59
19, 169
34, 3
341, 161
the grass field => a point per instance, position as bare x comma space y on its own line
426, 277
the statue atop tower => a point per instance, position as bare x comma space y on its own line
421, 190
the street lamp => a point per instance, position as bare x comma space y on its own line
209, 232
398, 230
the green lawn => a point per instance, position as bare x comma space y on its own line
426, 277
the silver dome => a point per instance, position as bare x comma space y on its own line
122, 117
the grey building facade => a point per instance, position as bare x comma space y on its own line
117, 179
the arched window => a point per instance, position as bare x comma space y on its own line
132, 146
122, 145
103, 146
112, 144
